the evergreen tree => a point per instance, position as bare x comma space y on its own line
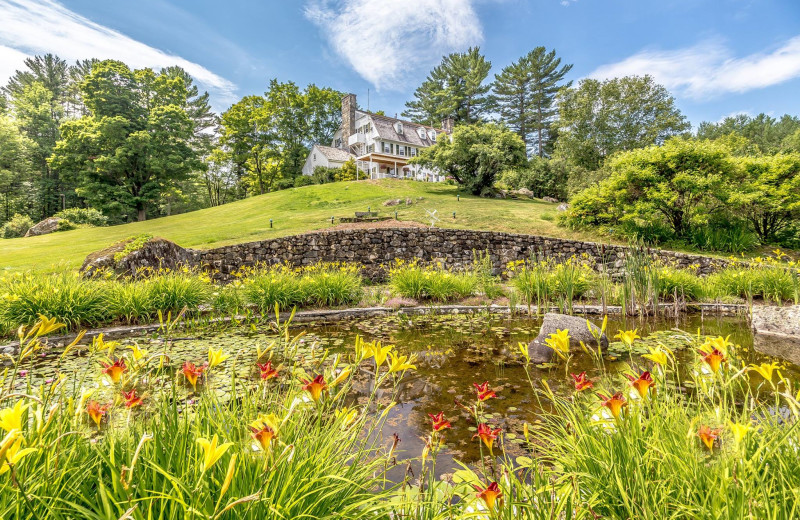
455, 88
525, 94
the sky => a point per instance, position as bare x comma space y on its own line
717, 57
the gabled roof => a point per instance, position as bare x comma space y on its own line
334, 154
385, 127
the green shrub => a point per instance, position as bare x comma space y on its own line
130, 301
540, 282
683, 283
65, 296
16, 227
228, 300
272, 286
330, 285
435, 283
173, 290
725, 237
303, 180
83, 216
770, 281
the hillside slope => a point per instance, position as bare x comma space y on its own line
292, 211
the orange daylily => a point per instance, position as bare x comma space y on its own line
615, 403
315, 387
439, 422
266, 370
642, 383
264, 430
490, 495
713, 359
487, 434
131, 398
96, 411
708, 436
115, 370
192, 372
582, 382
484, 392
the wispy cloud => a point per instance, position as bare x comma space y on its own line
710, 69
40, 26
384, 40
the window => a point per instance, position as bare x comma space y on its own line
432, 135
387, 147
413, 152
370, 148
398, 127
315, 157
401, 150
421, 133
338, 143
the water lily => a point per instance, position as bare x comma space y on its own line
642, 383
484, 392
765, 370
192, 372
11, 452
115, 369
487, 435
264, 430
491, 495
559, 342
713, 359
439, 422
267, 372
315, 387
216, 357
212, 451
739, 431
708, 436
615, 403
131, 398
11, 418
96, 411
582, 382
627, 337
657, 355
398, 363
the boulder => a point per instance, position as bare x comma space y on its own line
391, 202
562, 207
578, 331
524, 192
44, 227
777, 321
549, 199
122, 260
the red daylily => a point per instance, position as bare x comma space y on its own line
484, 392
263, 435
131, 399
267, 371
714, 359
115, 370
708, 436
487, 434
582, 382
315, 387
615, 403
642, 383
490, 495
439, 422
96, 411
192, 372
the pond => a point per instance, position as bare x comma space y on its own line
453, 351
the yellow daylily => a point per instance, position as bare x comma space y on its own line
343, 375
398, 363
765, 370
559, 342
11, 451
138, 353
11, 418
47, 325
348, 416
212, 451
739, 431
380, 353
216, 357
523, 349
628, 337
718, 343
228, 477
657, 355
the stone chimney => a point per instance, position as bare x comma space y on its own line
448, 124
348, 119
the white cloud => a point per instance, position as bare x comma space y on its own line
40, 26
384, 40
709, 68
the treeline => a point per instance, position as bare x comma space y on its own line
97, 136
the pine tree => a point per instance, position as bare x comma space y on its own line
455, 88
525, 94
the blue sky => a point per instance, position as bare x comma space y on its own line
718, 57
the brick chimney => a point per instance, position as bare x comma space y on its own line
447, 124
348, 119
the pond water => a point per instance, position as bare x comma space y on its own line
453, 352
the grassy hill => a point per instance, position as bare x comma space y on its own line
293, 211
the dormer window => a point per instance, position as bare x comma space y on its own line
432, 135
398, 127
421, 133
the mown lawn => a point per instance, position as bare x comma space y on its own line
292, 211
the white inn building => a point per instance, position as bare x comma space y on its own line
381, 146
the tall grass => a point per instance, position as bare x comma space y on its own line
768, 281
541, 282
321, 285
413, 280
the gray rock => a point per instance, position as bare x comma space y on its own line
392, 202
562, 207
524, 192
777, 321
578, 331
44, 227
778, 346
549, 199
156, 253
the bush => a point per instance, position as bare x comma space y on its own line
684, 284
283, 184
321, 284
544, 177
168, 291
83, 217
16, 227
769, 281
425, 282
331, 285
303, 180
724, 236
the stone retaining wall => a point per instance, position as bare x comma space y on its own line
375, 249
